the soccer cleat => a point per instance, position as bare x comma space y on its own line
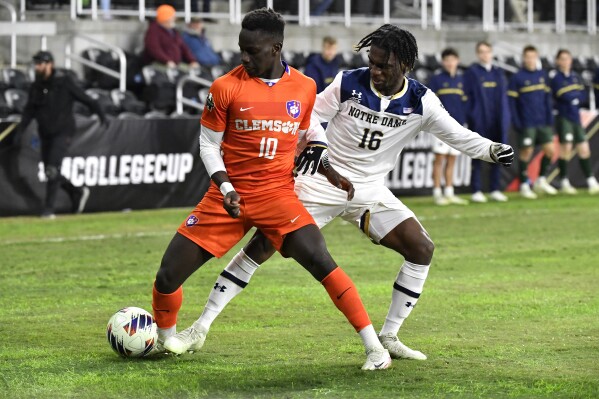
526, 192
452, 199
397, 350
158, 349
48, 215
441, 201
543, 187
593, 185
478, 197
190, 340
498, 196
377, 359
567, 188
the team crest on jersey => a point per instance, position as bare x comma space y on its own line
191, 220
294, 108
209, 102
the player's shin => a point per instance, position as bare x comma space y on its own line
228, 285
345, 296
166, 307
406, 291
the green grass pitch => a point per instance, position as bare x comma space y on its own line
510, 309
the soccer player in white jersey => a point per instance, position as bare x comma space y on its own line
372, 113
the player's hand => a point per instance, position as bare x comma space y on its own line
310, 157
502, 153
231, 204
340, 182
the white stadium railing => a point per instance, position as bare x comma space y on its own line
424, 13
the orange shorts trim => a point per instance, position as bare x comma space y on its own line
275, 213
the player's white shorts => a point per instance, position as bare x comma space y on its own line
441, 148
374, 209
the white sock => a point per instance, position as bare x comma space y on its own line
406, 291
231, 282
437, 192
591, 181
164, 333
369, 338
449, 191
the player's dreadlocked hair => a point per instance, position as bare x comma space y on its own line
265, 20
394, 40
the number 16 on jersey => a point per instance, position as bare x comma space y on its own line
268, 147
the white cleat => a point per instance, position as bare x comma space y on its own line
454, 200
567, 188
543, 187
440, 201
188, 340
498, 196
593, 185
397, 350
526, 192
478, 197
158, 349
377, 359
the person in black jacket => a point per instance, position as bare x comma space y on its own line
50, 103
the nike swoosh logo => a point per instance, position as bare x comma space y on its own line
379, 365
245, 109
295, 218
340, 295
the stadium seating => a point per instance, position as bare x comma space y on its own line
16, 99
16, 78
104, 98
126, 102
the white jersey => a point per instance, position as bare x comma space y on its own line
367, 131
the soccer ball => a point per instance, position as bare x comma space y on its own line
131, 332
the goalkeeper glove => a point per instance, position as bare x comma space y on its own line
314, 153
502, 153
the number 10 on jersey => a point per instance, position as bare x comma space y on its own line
268, 147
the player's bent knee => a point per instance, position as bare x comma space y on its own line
422, 251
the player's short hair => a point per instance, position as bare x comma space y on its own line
529, 48
329, 41
562, 51
450, 51
394, 40
483, 43
266, 20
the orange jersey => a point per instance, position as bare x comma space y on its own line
260, 124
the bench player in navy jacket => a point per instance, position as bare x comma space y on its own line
488, 114
531, 110
448, 85
568, 92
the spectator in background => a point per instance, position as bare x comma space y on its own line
531, 110
568, 92
163, 43
195, 38
488, 113
323, 67
319, 7
449, 87
50, 103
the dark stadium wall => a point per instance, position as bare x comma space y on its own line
134, 164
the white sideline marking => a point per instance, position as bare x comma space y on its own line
96, 237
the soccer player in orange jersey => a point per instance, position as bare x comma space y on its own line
250, 128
